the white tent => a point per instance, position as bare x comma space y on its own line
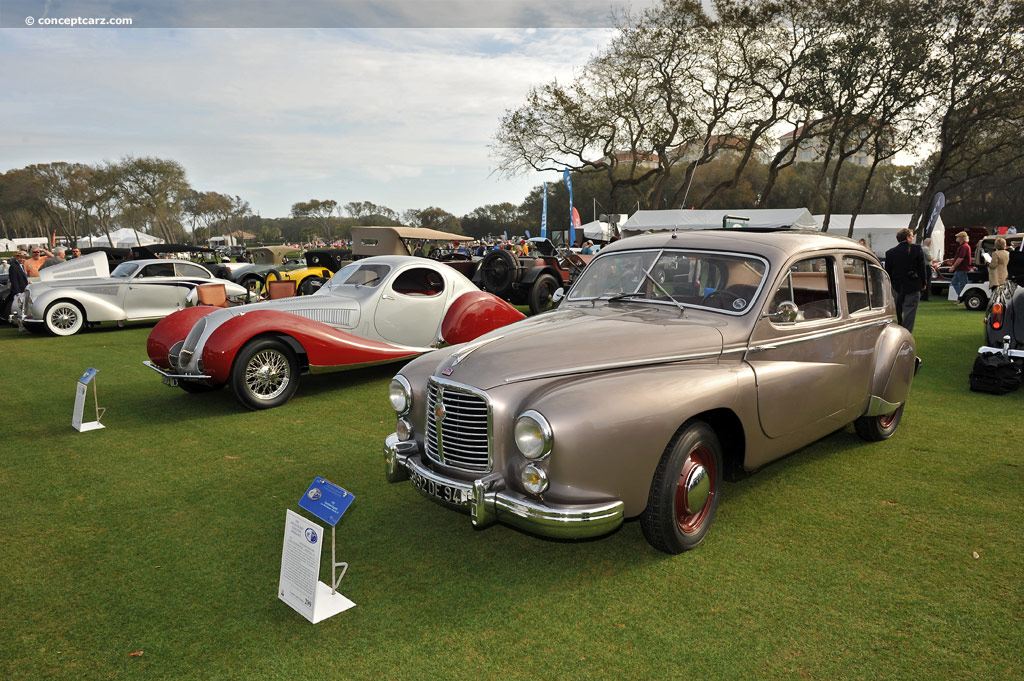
879, 230
122, 238
665, 220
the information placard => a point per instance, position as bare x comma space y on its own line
81, 389
299, 584
326, 501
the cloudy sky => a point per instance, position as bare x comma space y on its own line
400, 115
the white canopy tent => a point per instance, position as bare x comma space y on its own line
667, 220
879, 230
121, 238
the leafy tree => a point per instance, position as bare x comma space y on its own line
433, 218
320, 211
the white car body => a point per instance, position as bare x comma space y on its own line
83, 291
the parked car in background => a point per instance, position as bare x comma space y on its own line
532, 279
264, 259
674, 362
375, 310
82, 292
977, 293
320, 266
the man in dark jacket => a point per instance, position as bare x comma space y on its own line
17, 277
906, 267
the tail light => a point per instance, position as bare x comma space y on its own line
996, 317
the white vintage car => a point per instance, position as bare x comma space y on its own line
84, 291
376, 310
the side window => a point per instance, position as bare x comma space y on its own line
184, 269
879, 286
158, 270
811, 285
855, 277
419, 281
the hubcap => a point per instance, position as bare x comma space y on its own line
695, 488
886, 420
64, 318
267, 374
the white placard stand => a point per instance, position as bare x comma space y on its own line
82, 389
300, 585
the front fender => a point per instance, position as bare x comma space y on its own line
171, 329
323, 345
895, 361
96, 308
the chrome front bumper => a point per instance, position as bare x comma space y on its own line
167, 374
487, 501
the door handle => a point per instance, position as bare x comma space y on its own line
387, 297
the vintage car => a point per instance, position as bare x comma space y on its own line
264, 259
530, 280
83, 292
320, 266
376, 310
674, 362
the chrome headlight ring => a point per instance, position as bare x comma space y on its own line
533, 435
400, 394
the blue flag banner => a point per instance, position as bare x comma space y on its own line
572, 223
938, 202
544, 212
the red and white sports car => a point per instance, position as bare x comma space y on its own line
375, 310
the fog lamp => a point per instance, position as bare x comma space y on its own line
535, 480
400, 394
533, 435
403, 429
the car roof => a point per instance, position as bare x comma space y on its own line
780, 241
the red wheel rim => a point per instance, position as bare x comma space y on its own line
885, 421
702, 456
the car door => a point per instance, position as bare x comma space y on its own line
801, 366
154, 291
866, 292
411, 306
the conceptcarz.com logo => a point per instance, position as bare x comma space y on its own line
311, 535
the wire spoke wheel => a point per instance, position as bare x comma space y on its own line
64, 319
265, 374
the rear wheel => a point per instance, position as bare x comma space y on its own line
975, 300
253, 282
265, 374
685, 491
540, 293
64, 318
878, 428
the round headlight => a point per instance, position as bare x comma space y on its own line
403, 429
535, 480
400, 394
533, 435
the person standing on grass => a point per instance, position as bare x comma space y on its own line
997, 269
961, 263
55, 259
17, 277
905, 264
39, 256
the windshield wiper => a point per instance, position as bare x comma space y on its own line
624, 296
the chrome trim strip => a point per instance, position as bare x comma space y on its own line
613, 365
487, 501
170, 375
820, 334
877, 406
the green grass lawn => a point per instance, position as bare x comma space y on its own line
163, 532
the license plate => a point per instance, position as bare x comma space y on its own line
173, 382
447, 493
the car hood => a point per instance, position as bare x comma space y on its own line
312, 307
580, 340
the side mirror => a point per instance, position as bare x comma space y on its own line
557, 296
787, 312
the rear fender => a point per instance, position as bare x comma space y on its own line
895, 362
322, 345
475, 313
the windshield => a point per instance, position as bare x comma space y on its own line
357, 274
124, 270
709, 279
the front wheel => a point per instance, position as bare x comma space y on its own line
265, 374
878, 428
541, 292
64, 318
685, 491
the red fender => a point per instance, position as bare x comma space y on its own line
325, 346
171, 329
473, 314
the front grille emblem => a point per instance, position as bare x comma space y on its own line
439, 410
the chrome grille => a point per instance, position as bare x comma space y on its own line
329, 317
461, 438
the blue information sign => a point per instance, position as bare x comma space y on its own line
88, 375
326, 501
